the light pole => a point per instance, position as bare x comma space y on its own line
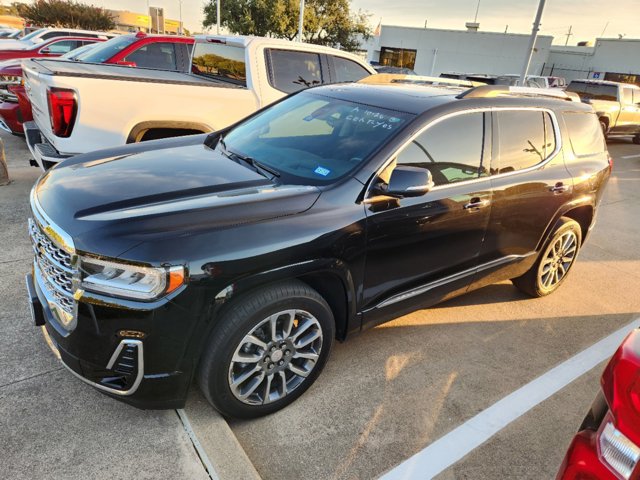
532, 42
218, 17
149, 15
301, 21
180, 4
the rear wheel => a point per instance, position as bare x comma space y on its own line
267, 350
554, 263
636, 139
605, 128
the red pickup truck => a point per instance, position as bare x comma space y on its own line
163, 52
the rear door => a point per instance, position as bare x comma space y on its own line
530, 183
421, 249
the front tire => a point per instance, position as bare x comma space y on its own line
266, 350
636, 139
555, 261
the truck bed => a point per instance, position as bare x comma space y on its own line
120, 72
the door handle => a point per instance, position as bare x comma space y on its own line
476, 204
559, 188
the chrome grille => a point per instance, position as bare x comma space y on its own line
55, 267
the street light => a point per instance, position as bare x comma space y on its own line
180, 4
301, 21
218, 17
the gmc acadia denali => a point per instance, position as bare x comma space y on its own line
238, 257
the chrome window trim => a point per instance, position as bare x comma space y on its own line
407, 294
556, 131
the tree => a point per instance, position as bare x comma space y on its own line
65, 14
326, 22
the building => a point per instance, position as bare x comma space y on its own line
609, 59
431, 51
154, 22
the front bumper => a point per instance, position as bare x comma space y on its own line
44, 153
144, 372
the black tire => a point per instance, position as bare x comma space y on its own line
216, 366
533, 281
636, 139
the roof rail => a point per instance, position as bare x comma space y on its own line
489, 91
389, 78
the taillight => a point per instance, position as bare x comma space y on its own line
610, 163
63, 107
616, 451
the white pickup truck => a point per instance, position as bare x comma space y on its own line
80, 107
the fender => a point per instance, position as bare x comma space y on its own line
584, 201
137, 131
309, 271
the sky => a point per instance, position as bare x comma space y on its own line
588, 17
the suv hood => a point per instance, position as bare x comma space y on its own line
111, 204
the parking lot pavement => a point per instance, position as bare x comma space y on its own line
392, 391
52, 426
384, 396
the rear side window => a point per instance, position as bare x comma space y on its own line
526, 138
63, 46
627, 96
53, 34
219, 61
636, 96
585, 133
160, 55
291, 71
348, 70
448, 155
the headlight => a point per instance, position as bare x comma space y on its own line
128, 281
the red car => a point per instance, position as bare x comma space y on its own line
163, 52
607, 446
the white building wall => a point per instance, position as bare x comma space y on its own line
608, 55
460, 51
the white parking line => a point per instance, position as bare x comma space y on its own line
449, 449
196, 444
630, 156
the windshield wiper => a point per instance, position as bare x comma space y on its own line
260, 168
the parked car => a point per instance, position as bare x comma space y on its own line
41, 35
230, 78
617, 105
393, 70
138, 49
472, 77
48, 48
607, 445
238, 257
15, 108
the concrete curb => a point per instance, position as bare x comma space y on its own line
215, 441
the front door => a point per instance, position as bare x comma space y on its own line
421, 249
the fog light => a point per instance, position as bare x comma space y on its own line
620, 453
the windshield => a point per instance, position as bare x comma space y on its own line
27, 38
107, 50
594, 91
311, 139
74, 54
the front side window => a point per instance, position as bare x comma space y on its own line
348, 70
526, 139
160, 55
627, 96
595, 91
397, 57
452, 149
291, 71
62, 47
636, 96
313, 139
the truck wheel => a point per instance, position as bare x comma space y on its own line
553, 264
605, 128
266, 350
636, 139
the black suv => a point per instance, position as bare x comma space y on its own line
239, 257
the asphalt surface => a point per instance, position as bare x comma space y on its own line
383, 396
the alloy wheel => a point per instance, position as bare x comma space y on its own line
558, 260
275, 357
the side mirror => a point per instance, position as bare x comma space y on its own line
45, 50
408, 181
126, 64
